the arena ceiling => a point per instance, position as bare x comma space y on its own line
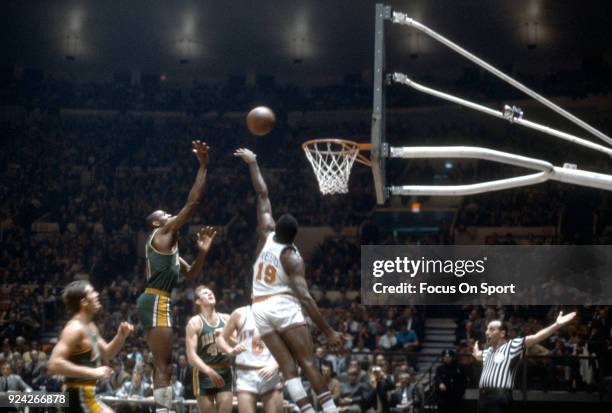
305, 39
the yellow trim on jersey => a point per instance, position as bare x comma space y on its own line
150, 242
155, 291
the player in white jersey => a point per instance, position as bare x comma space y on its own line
280, 293
256, 370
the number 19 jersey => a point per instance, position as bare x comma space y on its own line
269, 277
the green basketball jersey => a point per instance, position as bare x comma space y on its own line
88, 358
207, 348
162, 269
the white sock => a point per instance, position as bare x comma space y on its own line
327, 402
307, 408
163, 397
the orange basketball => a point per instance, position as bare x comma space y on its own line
260, 120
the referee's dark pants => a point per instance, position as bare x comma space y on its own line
494, 401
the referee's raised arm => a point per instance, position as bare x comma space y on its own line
500, 361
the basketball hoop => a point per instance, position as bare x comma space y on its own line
332, 160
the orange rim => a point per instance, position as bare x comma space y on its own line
348, 147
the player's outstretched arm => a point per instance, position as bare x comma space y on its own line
294, 267
231, 327
191, 344
206, 236
71, 336
265, 222
109, 350
544, 333
200, 149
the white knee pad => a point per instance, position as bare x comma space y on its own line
295, 389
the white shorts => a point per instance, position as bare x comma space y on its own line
249, 381
277, 313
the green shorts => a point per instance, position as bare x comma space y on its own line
203, 386
154, 308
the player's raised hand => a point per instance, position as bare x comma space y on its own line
238, 349
564, 319
205, 236
246, 155
201, 152
476, 350
125, 329
102, 372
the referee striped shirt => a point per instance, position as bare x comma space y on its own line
499, 366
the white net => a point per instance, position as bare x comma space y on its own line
331, 160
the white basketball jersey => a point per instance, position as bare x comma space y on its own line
269, 277
256, 354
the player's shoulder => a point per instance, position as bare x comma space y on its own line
195, 322
73, 329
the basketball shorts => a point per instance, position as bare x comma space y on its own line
249, 381
154, 309
277, 313
203, 386
83, 399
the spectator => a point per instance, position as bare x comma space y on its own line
388, 341
119, 376
407, 339
11, 382
44, 382
354, 395
405, 398
134, 388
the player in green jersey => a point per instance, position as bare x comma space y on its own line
78, 353
212, 373
164, 265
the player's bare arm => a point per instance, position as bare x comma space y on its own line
205, 238
232, 324
70, 339
109, 350
544, 333
265, 222
166, 237
191, 344
294, 266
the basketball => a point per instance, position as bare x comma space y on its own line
260, 120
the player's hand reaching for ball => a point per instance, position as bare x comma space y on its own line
201, 152
216, 379
102, 372
246, 155
206, 235
125, 329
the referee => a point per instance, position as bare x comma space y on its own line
500, 362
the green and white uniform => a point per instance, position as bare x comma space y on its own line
163, 270
210, 354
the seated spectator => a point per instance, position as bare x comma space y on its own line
406, 397
361, 353
119, 376
134, 388
388, 341
10, 381
362, 376
354, 395
407, 339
